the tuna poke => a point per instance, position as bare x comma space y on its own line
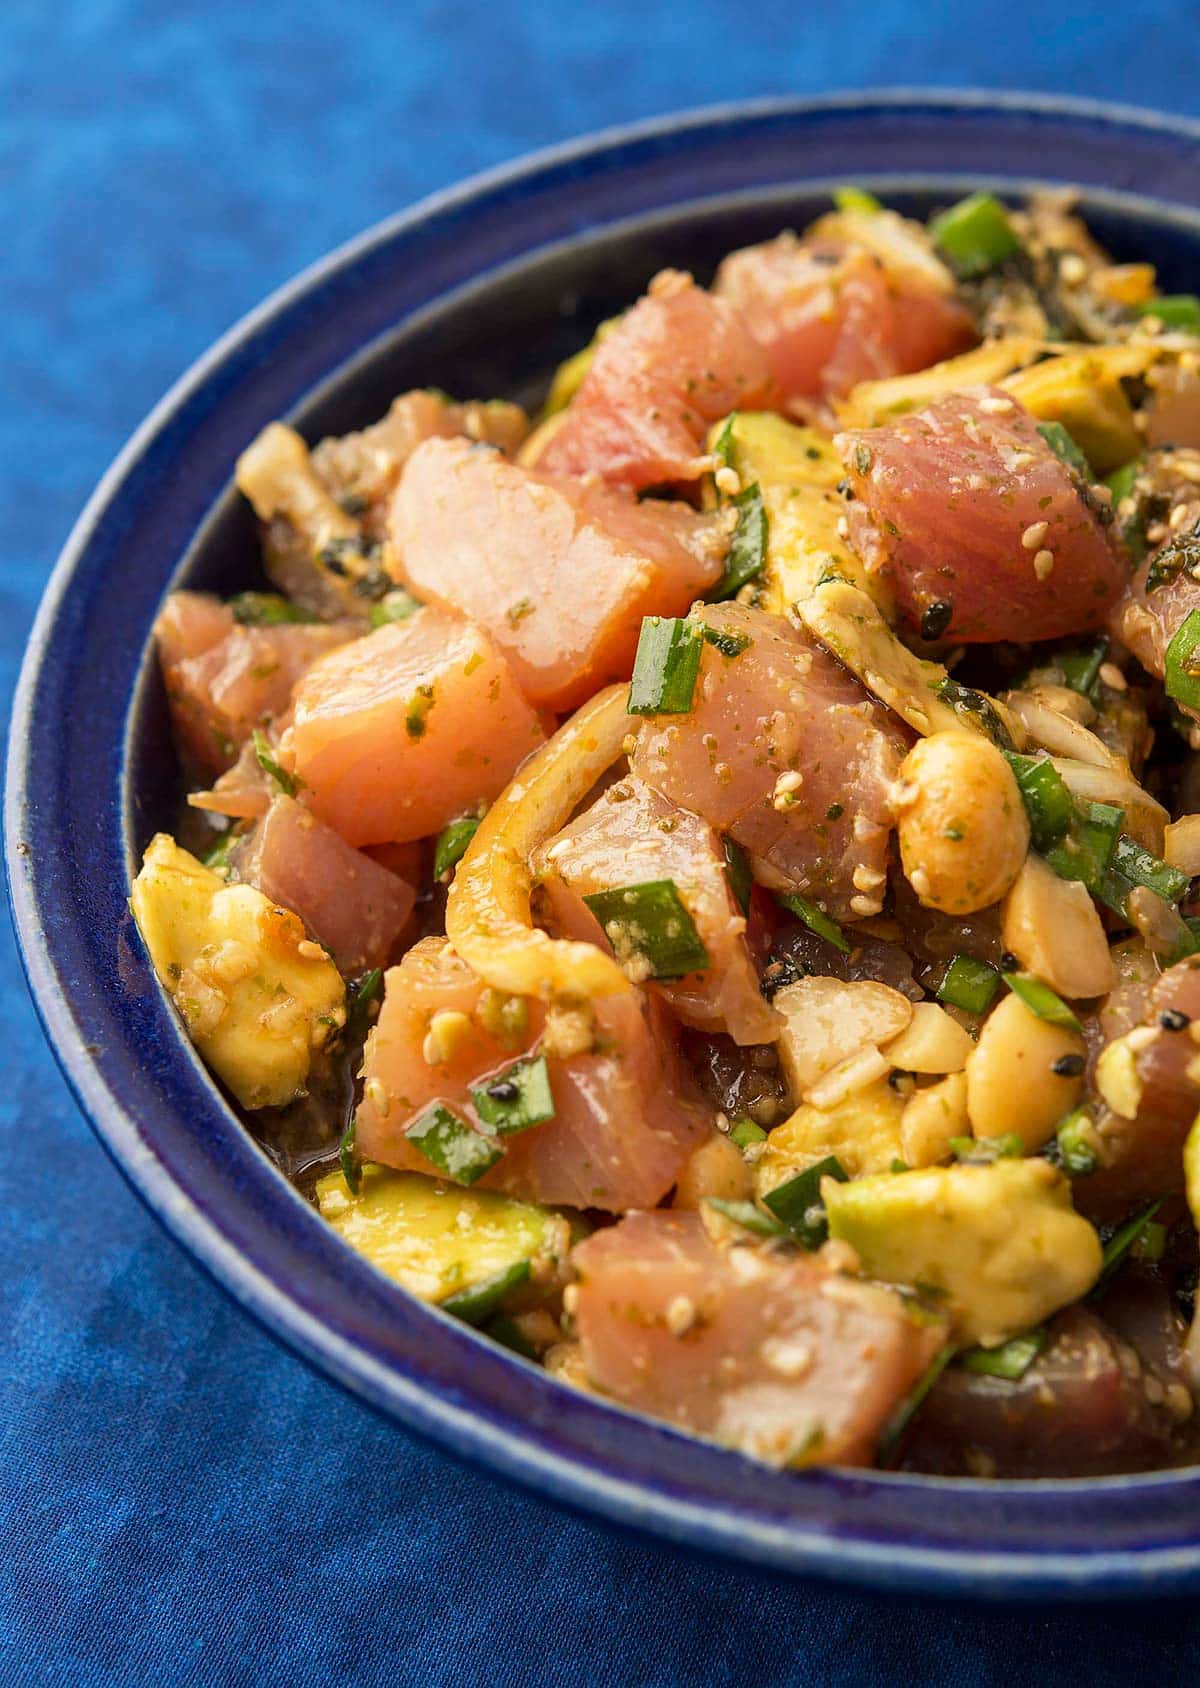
703, 883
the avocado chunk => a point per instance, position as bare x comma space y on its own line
258, 997
1002, 1242
797, 471
467, 1250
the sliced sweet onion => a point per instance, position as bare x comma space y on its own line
489, 921
1181, 844
1145, 819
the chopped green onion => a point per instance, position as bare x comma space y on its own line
1081, 669
797, 1202
1041, 1000
1048, 803
745, 1214
452, 844
976, 234
856, 199
748, 548
982, 1151
729, 644
1086, 852
1064, 447
737, 872
1121, 482
898, 1423
965, 700
1011, 1360
478, 1302
449, 1143
1073, 1138
1140, 867
289, 784
1174, 310
666, 666
723, 444
1151, 1243
358, 1014
348, 1156
650, 921
1182, 676
744, 1133
969, 985
815, 919
1122, 1240
393, 606
898, 1165
508, 1334
516, 1098
266, 609
217, 855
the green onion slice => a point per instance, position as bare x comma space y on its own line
1141, 867
737, 872
217, 856
1081, 669
744, 1133
797, 1202
1048, 803
476, 1304
517, 1098
358, 1014
1037, 996
1182, 669
982, 1151
393, 606
452, 844
1065, 448
1174, 310
1074, 1148
745, 1214
1122, 1240
449, 1143
729, 644
893, 1430
976, 234
969, 984
267, 609
650, 921
1151, 1243
666, 666
348, 1156
1011, 1360
748, 548
815, 919
1086, 852
289, 784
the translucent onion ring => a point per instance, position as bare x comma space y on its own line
489, 921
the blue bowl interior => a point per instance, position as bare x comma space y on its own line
482, 293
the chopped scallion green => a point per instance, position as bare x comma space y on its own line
650, 921
745, 1214
348, 1156
1081, 669
267, 609
982, 1151
516, 1098
815, 919
729, 644
1174, 310
748, 547
393, 606
1087, 850
1151, 1243
1064, 447
358, 1013
666, 666
1182, 667
976, 234
452, 844
737, 872
1047, 801
1011, 1360
449, 1144
217, 856
898, 1423
476, 1304
744, 1133
1041, 1000
1140, 867
289, 784
969, 985
797, 1202
1074, 1144
1122, 1240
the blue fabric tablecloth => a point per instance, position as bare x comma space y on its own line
180, 1501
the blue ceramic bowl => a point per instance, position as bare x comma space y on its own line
471, 291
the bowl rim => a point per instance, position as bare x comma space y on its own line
788, 1542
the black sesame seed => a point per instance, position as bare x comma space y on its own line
504, 1090
1068, 1066
935, 618
1008, 962
1174, 1020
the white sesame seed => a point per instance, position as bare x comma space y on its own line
867, 878
1112, 677
310, 951
1072, 269
728, 480
865, 906
843, 528
994, 405
681, 1315
1043, 564
1032, 538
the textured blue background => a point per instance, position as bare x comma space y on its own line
179, 1500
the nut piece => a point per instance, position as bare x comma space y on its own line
931, 1118
961, 822
1053, 928
1012, 1084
